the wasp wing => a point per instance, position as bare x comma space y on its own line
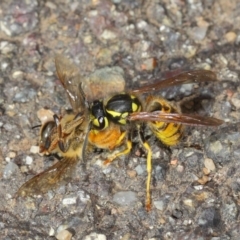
182, 78
68, 74
52, 177
186, 119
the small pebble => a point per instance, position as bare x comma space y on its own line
50, 5
180, 168
69, 201
127, 236
198, 187
34, 149
142, 24
29, 160
149, 64
160, 205
24, 169
95, 236
132, 173
199, 33
124, 198
64, 235
140, 169
45, 115
9, 169
230, 37
204, 179
83, 196
188, 202
209, 164
189, 51
51, 232
206, 171
174, 162
11, 154
87, 39
6, 47
17, 74
187, 222
216, 146
108, 35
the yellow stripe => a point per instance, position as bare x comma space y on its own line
171, 135
122, 121
134, 107
114, 114
95, 122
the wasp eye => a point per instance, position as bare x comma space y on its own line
101, 122
47, 129
47, 143
45, 136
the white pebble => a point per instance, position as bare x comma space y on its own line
29, 160
107, 34
95, 236
34, 149
51, 232
198, 187
69, 201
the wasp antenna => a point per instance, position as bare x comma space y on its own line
36, 126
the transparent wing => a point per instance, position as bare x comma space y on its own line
182, 78
187, 119
68, 74
51, 178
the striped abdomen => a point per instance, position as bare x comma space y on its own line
167, 133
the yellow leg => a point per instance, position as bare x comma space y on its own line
124, 152
149, 175
149, 167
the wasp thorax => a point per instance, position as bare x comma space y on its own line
120, 106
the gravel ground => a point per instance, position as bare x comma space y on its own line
195, 185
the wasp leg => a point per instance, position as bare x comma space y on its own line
124, 152
149, 168
149, 175
62, 144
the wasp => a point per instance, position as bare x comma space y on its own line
106, 123
112, 116
64, 136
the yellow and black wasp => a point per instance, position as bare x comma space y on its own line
111, 115
106, 123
